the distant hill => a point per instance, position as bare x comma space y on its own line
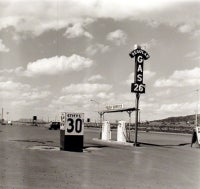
188, 119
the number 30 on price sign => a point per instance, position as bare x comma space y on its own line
74, 124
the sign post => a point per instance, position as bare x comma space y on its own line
138, 86
72, 132
136, 118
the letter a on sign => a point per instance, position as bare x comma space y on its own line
140, 55
139, 68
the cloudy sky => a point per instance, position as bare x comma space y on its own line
57, 55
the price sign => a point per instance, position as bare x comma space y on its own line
74, 124
140, 55
137, 88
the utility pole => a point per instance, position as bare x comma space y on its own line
196, 119
2, 115
101, 116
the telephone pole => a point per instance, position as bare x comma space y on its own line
197, 110
2, 115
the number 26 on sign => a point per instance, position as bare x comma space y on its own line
138, 88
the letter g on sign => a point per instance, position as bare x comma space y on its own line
140, 59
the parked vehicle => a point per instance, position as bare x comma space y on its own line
54, 125
9, 122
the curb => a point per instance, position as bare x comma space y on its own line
166, 133
112, 142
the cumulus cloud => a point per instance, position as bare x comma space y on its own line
166, 109
181, 78
196, 33
56, 65
190, 28
191, 54
36, 17
162, 93
71, 99
86, 88
147, 75
79, 95
106, 96
179, 108
95, 78
52, 66
185, 28
22, 99
148, 45
16, 92
3, 48
77, 30
194, 55
118, 37
10, 86
94, 49
1, 78
17, 71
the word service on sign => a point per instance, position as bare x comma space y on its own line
140, 55
114, 107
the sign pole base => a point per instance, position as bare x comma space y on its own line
136, 119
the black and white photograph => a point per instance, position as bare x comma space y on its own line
99, 94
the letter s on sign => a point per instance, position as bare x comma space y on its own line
139, 78
140, 59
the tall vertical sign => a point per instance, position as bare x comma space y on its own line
138, 86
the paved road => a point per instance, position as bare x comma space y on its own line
161, 162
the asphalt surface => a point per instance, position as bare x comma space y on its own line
30, 158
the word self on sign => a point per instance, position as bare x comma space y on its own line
140, 55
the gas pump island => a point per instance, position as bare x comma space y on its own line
138, 86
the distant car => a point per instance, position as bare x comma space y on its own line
54, 125
9, 122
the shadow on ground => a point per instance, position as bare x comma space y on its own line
162, 145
